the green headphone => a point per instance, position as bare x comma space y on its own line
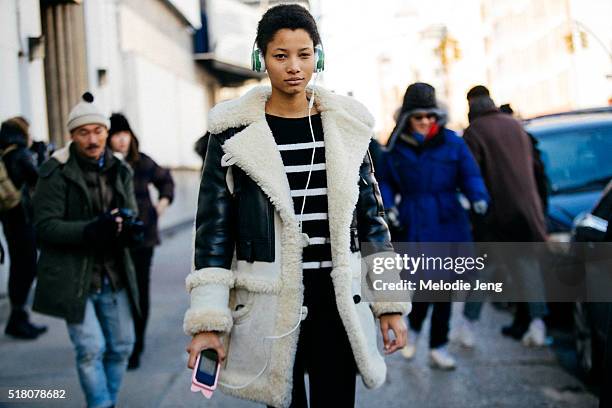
259, 65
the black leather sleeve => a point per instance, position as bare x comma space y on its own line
214, 236
370, 211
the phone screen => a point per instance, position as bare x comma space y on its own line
207, 369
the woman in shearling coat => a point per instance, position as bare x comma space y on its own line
278, 283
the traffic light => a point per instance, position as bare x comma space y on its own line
584, 39
569, 42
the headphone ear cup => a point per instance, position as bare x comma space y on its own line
319, 58
258, 64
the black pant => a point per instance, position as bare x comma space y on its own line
323, 351
440, 319
142, 258
21, 241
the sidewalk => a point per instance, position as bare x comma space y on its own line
182, 211
498, 372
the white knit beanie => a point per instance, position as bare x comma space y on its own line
86, 112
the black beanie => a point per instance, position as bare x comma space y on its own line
419, 96
119, 123
477, 91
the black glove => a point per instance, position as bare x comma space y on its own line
393, 221
102, 231
132, 234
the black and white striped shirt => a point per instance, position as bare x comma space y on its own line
294, 141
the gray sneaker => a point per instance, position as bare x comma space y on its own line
536, 334
441, 358
409, 350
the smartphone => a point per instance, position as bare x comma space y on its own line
206, 371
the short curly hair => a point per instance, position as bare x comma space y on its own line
291, 16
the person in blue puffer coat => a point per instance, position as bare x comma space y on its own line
421, 173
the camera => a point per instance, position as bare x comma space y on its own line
132, 233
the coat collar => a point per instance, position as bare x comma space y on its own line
250, 108
347, 127
71, 170
63, 155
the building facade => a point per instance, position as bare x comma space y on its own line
548, 55
139, 57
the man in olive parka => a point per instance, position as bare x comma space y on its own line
85, 274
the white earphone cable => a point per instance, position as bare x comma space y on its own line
266, 351
310, 106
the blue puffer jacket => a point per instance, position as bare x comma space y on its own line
427, 178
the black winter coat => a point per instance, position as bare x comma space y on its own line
146, 172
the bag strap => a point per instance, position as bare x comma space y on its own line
9, 149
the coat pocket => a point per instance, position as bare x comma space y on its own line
55, 294
254, 249
248, 349
241, 303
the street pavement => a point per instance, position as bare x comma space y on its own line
497, 373
183, 208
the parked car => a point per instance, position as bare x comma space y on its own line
592, 319
576, 149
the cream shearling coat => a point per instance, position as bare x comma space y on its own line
271, 294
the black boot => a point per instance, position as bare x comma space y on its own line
19, 326
516, 331
520, 324
134, 361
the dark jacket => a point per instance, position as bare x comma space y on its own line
427, 179
23, 173
20, 165
62, 209
19, 162
201, 145
146, 172
539, 172
505, 155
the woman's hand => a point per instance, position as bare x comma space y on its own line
203, 341
396, 323
161, 206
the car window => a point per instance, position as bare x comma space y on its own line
577, 159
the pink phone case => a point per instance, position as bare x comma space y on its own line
203, 388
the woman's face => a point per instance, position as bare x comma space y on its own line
290, 60
120, 142
422, 122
